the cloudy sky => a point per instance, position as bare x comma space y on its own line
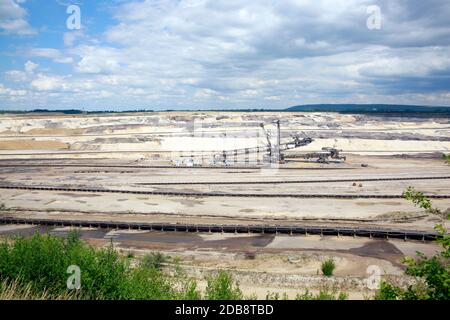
181, 54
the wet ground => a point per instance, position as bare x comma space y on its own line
392, 250
261, 263
182, 207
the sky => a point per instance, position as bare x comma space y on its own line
222, 54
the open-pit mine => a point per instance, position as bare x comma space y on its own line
265, 195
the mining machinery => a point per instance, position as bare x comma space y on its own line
325, 156
276, 151
273, 152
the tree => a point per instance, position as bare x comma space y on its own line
447, 158
419, 199
432, 274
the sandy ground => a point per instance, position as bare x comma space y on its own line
146, 208
261, 264
375, 146
207, 131
32, 144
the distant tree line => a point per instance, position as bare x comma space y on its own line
386, 109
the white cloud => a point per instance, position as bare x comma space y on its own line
20, 75
13, 18
51, 53
416, 62
16, 75
11, 92
272, 98
30, 66
71, 37
98, 60
47, 83
205, 93
257, 53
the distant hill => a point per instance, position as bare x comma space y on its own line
370, 108
393, 109
70, 111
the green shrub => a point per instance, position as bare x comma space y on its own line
325, 293
328, 267
276, 296
432, 274
153, 260
387, 291
221, 286
36, 267
446, 158
16, 290
41, 262
419, 199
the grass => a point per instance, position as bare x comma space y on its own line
15, 290
222, 287
328, 267
431, 274
325, 293
153, 260
36, 268
446, 158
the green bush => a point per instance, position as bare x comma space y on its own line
153, 260
446, 158
221, 286
328, 267
432, 274
42, 262
36, 267
419, 199
387, 291
325, 293
276, 296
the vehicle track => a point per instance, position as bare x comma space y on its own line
216, 194
200, 152
234, 182
291, 181
206, 132
221, 228
161, 167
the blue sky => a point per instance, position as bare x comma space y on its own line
189, 54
